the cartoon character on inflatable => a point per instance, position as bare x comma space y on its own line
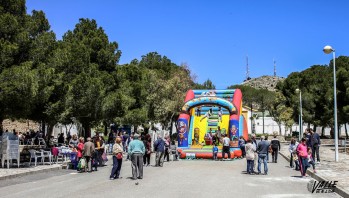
182, 128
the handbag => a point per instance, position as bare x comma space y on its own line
119, 156
270, 149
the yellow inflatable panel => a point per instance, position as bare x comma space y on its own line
201, 126
224, 124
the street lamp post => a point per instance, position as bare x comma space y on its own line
328, 49
300, 115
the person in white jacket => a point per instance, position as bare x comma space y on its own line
292, 149
250, 156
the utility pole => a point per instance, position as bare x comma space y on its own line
247, 69
274, 67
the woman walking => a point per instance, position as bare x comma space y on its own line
147, 144
117, 159
303, 157
167, 148
80, 149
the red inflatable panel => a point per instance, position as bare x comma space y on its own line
219, 156
245, 132
183, 155
237, 153
190, 95
237, 100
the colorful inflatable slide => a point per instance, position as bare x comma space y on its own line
206, 117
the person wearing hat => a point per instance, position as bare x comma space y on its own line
136, 150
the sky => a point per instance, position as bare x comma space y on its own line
214, 37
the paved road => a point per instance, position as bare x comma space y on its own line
198, 178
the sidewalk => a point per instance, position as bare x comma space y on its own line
17, 172
328, 170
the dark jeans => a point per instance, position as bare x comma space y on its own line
115, 171
304, 165
137, 165
224, 151
275, 154
167, 155
297, 165
250, 164
312, 163
243, 151
262, 158
146, 158
315, 149
100, 159
291, 161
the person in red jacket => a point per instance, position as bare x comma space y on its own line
80, 147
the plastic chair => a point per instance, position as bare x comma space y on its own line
35, 155
63, 152
10, 151
46, 154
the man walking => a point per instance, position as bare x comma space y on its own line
226, 148
136, 150
89, 148
315, 144
262, 150
159, 147
275, 146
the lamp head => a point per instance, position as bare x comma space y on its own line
328, 49
297, 90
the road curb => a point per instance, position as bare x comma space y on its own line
339, 190
29, 173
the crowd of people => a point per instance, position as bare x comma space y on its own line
30, 137
138, 150
303, 153
256, 154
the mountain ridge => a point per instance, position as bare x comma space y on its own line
264, 82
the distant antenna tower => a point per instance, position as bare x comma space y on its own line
247, 69
274, 67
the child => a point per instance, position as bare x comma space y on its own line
207, 115
198, 111
215, 152
220, 113
310, 159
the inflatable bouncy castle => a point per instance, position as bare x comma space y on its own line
206, 117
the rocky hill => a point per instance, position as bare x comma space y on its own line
264, 82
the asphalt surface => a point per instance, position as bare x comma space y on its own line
185, 178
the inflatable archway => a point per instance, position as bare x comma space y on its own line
210, 112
